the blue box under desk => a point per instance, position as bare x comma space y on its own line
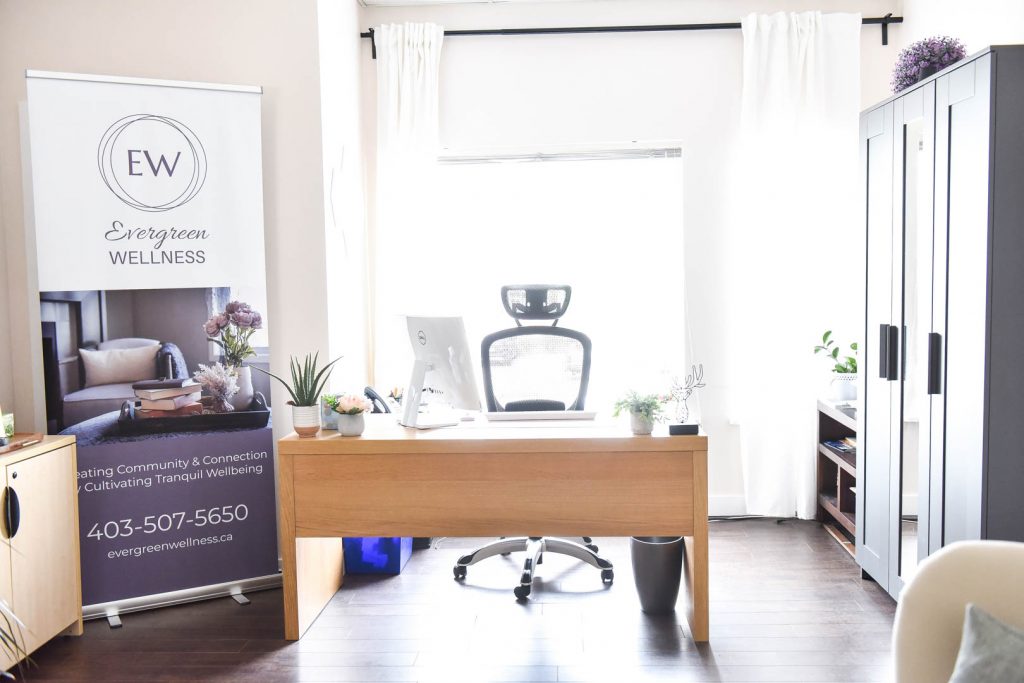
372, 555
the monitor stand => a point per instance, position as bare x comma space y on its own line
411, 416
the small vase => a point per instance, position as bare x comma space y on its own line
640, 424
306, 420
351, 425
243, 398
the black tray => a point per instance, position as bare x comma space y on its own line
256, 417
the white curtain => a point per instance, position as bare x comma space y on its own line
408, 63
796, 243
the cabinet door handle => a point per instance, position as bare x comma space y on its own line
934, 363
883, 351
11, 512
893, 348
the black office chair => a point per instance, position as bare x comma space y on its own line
536, 368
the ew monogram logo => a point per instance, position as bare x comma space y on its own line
151, 162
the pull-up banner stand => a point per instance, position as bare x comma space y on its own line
148, 219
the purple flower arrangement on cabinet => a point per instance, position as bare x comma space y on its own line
924, 58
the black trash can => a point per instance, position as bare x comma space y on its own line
657, 571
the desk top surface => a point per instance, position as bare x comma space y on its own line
383, 433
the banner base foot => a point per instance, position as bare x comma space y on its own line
240, 599
113, 621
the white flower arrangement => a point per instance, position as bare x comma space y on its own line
352, 404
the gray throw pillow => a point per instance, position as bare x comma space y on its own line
990, 651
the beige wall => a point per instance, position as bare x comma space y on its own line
270, 43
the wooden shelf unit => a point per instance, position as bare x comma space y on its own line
837, 475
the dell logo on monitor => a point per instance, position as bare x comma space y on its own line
151, 162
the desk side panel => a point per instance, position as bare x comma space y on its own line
494, 494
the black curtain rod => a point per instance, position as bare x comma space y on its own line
883, 21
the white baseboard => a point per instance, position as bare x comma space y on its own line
726, 506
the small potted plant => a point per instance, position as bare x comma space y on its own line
350, 409
844, 368
925, 58
231, 330
329, 418
644, 410
220, 383
307, 383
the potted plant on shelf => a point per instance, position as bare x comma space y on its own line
925, 58
307, 383
844, 369
350, 409
644, 410
231, 330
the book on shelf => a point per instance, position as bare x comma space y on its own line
189, 409
841, 446
187, 388
168, 403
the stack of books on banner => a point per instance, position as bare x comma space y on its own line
167, 398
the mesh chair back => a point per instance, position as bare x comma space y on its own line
535, 368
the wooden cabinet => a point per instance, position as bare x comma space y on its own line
938, 458
39, 559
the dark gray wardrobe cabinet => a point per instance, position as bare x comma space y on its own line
940, 438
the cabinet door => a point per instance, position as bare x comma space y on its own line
7, 659
913, 171
961, 207
44, 548
874, 441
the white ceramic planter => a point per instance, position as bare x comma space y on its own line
306, 420
844, 387
243, 398
640, 425
351, 425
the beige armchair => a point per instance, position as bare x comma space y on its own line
930, 616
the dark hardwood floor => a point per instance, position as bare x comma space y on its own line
787, 604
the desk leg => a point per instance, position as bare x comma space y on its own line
697, 553
312, 568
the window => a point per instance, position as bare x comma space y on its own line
610, 224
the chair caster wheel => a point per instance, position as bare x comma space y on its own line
607, 575
460, 572
522, 592
505, 554
592, 548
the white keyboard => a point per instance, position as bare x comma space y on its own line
525, 415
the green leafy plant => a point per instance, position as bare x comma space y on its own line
10, 635
649, 406
307, 380
847, 365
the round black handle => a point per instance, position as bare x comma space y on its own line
11, 512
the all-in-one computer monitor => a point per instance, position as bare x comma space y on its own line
443, 362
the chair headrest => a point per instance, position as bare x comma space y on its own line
536, 302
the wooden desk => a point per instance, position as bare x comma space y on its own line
480, 479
